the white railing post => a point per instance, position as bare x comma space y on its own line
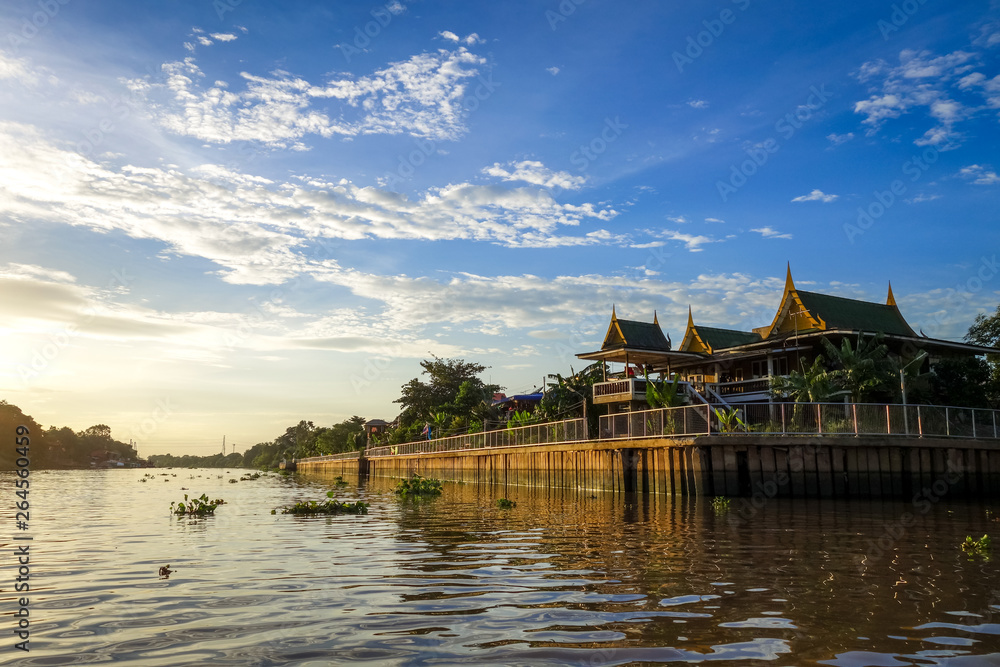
784, 431
854, 413
947, 423
973, 422
888, 420
920, 424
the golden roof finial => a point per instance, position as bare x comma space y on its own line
890, 300
789, 284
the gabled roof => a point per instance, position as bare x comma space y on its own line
722, 338
707, 340
633, 334
801, 311
839, 313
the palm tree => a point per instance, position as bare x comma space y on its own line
662, 395
813, 384
863, 369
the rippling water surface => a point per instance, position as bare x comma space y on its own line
562, 578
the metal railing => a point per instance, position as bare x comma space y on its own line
571, 430
330, 457
935, 421
686, 420
755, 386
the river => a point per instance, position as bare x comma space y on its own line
565, 577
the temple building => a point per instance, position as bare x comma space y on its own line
719, 366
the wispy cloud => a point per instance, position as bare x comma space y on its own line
933, 83
692, 242
979, 175
536, 173
816, 195
259, 231
471, 39
697, 104
837, 139
422, 96
770, 233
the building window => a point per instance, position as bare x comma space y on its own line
780, 366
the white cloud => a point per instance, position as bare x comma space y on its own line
472, 39
259, 231
979, 175
17, 69
692, 242
923, 81
920, 198
423, 96
816, 195
770, 233
536, 173
552, 70
679, 219
697, 104
713, 220
837, 139
223, 36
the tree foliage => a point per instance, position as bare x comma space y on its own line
564, 395
452, 398
862, 369
60, 447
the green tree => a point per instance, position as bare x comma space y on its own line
811, 384
862, 370
453, 387
985, 331
564, 395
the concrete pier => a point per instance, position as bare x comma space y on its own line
828, 466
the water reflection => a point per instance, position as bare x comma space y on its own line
563, 577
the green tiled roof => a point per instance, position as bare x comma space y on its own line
643, 335
718, 339
841, 313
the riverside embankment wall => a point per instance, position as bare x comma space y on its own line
728, 465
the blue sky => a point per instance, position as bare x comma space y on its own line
223, 217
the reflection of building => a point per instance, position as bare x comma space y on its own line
728, 365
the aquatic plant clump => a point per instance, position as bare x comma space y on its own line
200, 506
721, 504
418, 486
331, 506
980, 547
505, 504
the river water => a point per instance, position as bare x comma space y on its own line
564, 577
